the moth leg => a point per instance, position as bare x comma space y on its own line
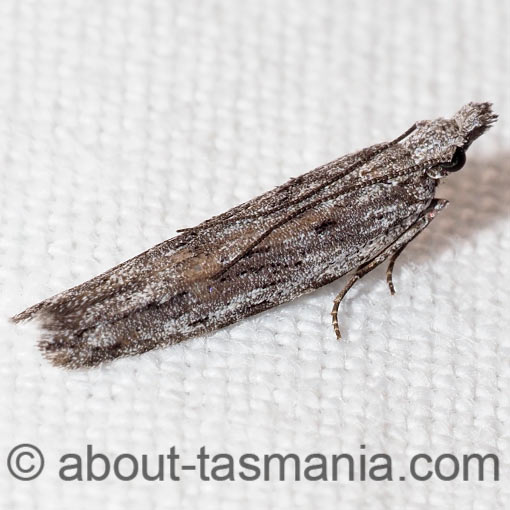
338, 300
360, 272
389, 270
393, 251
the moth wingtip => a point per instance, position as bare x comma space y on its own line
57, 359
30, 313
55, 344
62, 343
58, 351
23, 316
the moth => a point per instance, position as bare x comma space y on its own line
347, 216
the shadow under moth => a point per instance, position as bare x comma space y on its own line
349, 215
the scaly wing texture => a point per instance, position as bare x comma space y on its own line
187, 285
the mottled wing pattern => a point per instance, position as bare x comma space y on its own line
229, 233
149, 281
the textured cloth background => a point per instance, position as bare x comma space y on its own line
122, 121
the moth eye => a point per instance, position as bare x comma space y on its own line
457, 162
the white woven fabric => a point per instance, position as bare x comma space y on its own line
122, 121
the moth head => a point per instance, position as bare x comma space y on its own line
470, 122
473, 120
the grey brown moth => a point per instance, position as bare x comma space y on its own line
348, 215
